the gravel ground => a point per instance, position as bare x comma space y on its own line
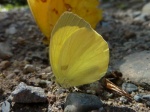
25, 58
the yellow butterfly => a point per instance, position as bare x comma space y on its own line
78, 54
47, 12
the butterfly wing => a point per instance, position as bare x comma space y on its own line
84, 58
47, 12
67, 24
40, 11
78, 54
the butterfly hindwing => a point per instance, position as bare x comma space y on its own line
83, 59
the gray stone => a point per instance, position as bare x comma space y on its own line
5, 52
136, 67
136, 13
47, 70
148, 103
138, 98
16, 71
11, 30
123, 99
29, 68
146, 9
45, 83
5, 106
79, 102
146, 97
128, 87
140, 18
4, 65
27, 94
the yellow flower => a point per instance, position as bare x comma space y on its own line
47, 12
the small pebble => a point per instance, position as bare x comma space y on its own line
28, 94
146, 9
47, 70
123, 99
129, 34
109, 102
5, 51
148, 103
108, 95
140, 105
128, 87
136, 13
89, 102
10, 76
60, 91
140, 19
138, 98
29, 68
11, 30
4, 65
42, 83
5, 106
21, 41
43, 76
146, 97
16, 71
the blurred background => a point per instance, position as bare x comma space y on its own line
14, 2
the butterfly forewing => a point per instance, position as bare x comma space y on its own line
67, 24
